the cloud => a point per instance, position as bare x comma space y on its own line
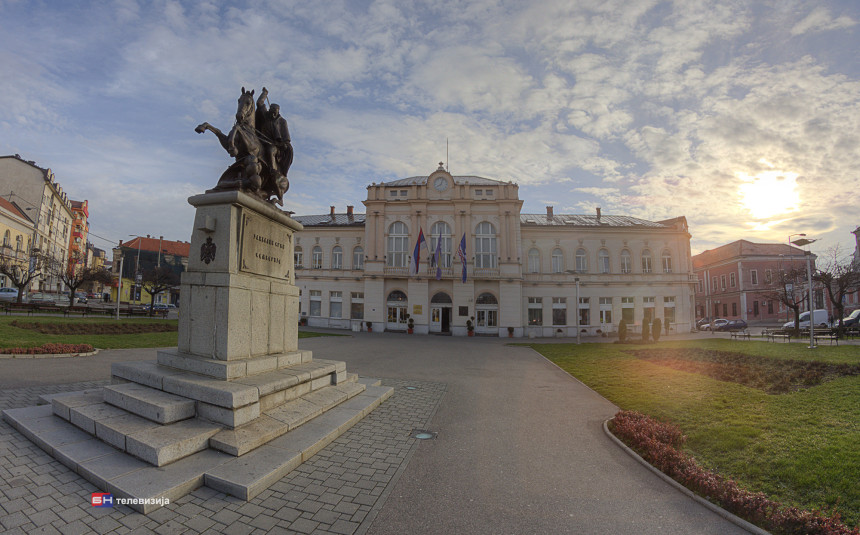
820, 20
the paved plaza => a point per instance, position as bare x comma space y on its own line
518, 447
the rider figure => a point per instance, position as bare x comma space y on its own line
277, 149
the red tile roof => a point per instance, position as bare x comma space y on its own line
179, 248
11, 207
742, 248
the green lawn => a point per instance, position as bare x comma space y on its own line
11, 336
800, 448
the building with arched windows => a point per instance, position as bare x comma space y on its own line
532, 274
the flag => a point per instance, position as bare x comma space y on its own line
461, 252
416, 254
436, 256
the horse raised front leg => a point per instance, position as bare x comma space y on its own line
222, 138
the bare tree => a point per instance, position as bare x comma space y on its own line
785, 290
22, 269
840, 276
75, 273
157, 280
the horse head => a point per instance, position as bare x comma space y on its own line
245, 110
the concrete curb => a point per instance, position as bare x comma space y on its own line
734, 519
47, 355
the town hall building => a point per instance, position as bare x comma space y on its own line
525, 274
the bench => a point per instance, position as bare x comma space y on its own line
83, 311
825, 334
19, 307
738, 335
47, 308
773, 335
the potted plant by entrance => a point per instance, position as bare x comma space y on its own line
370, 326
470, 327
510, 332
410, 325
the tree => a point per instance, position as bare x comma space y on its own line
840, 276
656, 327
157, 280
22, 269
76, 273
784, 290
622, 331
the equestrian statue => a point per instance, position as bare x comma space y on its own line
260, 143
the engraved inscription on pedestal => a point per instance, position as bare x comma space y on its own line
266, 247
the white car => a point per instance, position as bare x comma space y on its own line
719, 322
8, 294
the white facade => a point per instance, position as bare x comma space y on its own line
522, 269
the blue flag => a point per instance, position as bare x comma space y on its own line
436, 256
461, 252
416, 254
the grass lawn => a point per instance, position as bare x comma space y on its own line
801, 447
12, 336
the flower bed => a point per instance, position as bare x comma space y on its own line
660, 444
48, 349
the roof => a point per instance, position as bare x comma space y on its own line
459, 180
589, 221
178, 248
14, 209
742, 248
331, 220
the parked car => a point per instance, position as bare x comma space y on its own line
80, 297
39, 298
719, 322
733, 325
820, 319
851, 319
8, 294
702, 322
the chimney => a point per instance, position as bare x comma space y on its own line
349, 211
332, 211
549, 213
598, 214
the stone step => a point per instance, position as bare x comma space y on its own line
231, 369
152, 404
283, 419
154, 443
278, 387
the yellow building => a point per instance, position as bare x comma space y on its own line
16, 230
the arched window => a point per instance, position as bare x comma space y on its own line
441, 298
557, 261
396, 297
581, 261
486, 298
534, 261
398, 245
440, 230
316, 257
298, 258
337, 257
626, 262
358, 258
485, 246
667, 261
7, 239
603, 261
646, 261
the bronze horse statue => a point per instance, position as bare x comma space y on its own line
249, 172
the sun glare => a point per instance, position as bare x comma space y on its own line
769, 194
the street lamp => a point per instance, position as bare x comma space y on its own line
800, 243
137, 277
118, 252
578, 334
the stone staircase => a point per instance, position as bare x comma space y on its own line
236, 436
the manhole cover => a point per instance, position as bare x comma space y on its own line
421, 434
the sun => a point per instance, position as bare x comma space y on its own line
769, 194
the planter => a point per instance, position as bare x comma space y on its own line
471, 333
510, 332
410, 331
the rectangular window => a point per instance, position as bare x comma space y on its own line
393, 193
770, 307
725, 309
316, 258
701, 286
316, 303
627, 309
535, 311
713, 284
585, 311
648, 309
358, 258
356, 310
754, 276
559, 311
732, 280
335, 304
668, 317
755, 308
734, 309
606, 316
723, 282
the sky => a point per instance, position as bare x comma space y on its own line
743, 116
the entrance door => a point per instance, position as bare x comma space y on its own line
440, 319
446, 320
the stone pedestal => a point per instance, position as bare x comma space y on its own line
237, 382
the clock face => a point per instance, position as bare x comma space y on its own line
440, 184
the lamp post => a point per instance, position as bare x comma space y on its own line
800, 243
578, 334
118, 252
